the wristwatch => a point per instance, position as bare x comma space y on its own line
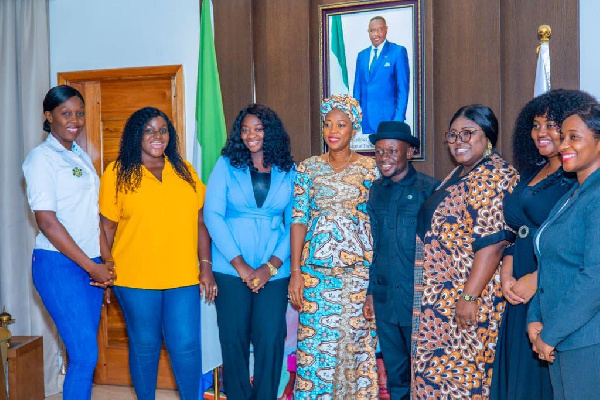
468, 298
272, 268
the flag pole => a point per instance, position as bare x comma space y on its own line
216, 386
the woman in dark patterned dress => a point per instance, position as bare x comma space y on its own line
331, 248
518, 372
461, 238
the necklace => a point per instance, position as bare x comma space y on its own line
343, 166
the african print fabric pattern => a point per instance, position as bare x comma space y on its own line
336, 344
334, 208
448, 363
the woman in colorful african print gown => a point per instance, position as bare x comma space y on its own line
331, 254
461, 238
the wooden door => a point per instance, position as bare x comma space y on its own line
111, 96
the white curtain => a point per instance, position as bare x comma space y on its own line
24, 80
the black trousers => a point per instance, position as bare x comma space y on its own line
394, 341
245, 317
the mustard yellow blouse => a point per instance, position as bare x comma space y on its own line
156, 242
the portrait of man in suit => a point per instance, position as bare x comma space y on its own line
382, 77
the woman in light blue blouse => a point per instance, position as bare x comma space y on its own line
247, 213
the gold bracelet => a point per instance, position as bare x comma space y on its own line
527, 283
206, 261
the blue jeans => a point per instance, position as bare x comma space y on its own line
75, 307
151, 315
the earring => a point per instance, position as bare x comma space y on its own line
488, 151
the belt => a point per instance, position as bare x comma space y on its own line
276, 219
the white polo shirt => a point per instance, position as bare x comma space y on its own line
65, 182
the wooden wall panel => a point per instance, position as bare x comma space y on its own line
520, 20
466, 65
476, 51
281, 62
233, 43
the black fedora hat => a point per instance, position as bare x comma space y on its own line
394, 130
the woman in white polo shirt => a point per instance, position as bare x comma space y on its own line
68, 273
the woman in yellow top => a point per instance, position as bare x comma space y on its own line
151, 209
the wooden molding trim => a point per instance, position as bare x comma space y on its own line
120, 73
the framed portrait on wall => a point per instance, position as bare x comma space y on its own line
373, 50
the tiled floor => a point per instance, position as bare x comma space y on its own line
107, 392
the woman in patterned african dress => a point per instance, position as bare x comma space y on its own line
331, 249
461, 238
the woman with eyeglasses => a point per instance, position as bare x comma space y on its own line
151, 208
461, 236
518, 372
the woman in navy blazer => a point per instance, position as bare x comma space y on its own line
564, 315
247, 213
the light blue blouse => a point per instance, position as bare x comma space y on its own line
238, 226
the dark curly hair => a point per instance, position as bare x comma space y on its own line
129, 161
555, 105
55, 97
276, 142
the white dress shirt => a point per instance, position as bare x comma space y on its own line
65, 182
379, 48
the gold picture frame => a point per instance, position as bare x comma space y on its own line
394, 88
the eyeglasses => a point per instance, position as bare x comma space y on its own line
464, 135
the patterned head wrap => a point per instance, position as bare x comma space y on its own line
347, 104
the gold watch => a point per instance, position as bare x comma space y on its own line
468, 298
272, 268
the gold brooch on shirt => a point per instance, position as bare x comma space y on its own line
77, 172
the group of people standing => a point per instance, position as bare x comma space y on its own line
367, 249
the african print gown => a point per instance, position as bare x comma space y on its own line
461, 217
336, 344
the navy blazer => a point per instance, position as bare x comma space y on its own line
383, 93
567, 246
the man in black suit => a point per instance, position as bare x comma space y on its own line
394, 202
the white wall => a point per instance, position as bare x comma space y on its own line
99, 34
589, 48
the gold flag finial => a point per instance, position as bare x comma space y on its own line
544, 32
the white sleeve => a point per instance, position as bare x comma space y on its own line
40, 177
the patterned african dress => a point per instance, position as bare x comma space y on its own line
462, 216
336, 344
